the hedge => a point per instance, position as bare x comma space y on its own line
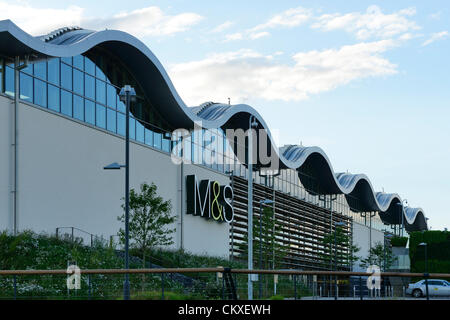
399, 241
438, 251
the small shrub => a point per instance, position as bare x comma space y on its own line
399, 241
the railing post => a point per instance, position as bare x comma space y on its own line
295, 287
57, 229
15, 286
360, 288
162, 286
72, 234
89, 287
223, 286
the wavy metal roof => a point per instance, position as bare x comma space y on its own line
310, 162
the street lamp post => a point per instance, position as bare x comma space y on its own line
337, 224
402, 215
264, 201
127, 94
386, 237
231, 173
252, 124
424, 244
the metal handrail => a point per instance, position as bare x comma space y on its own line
222, 270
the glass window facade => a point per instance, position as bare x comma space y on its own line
2, 89
53, 97
26, 87
9, 80
86, 88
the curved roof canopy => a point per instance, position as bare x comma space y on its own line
312, 164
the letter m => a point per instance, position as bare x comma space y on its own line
198, 197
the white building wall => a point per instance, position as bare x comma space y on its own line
362, 236
61, 181
5, 154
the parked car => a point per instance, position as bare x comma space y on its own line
436, 287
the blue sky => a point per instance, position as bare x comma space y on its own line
367, 81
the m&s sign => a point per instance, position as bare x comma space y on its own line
208, 199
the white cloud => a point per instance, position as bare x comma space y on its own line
435, 16
258, 35
222, 27
435, 37
248, 74
371, 24
234, 36
289, 18
39, 21
150, 21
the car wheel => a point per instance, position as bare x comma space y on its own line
417, 293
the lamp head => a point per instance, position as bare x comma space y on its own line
127, 89
113, 166
253, 122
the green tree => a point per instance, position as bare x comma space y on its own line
273, 251
343, 257
380, 256
149, 218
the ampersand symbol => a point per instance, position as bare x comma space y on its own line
215, 203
